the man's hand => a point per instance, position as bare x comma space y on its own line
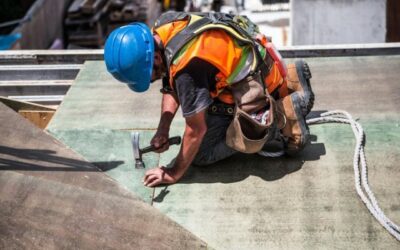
157, 176
195, 130
160, 141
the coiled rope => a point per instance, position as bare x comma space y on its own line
359, 161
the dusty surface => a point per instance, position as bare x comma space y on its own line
52, 198
247, 201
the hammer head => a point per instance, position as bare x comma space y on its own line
136, 150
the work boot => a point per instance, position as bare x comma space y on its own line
292, 123
298, 80
273, 148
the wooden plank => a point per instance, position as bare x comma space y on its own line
39, 118
36, 83
40, 99
17, 105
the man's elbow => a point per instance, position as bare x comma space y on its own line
196, 127
196, 132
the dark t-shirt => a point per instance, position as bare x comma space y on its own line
193, 85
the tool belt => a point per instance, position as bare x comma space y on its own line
246, 134
220, 108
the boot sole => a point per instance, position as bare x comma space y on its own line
304, 74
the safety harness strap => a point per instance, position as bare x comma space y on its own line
170, 17
183, 37
200, 22
235, 26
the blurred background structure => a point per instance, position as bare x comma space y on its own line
80, 24
344, 22
83, 25
68, 26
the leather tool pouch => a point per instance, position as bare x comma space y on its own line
246, 134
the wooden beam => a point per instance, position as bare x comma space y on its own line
21, 105
39, 118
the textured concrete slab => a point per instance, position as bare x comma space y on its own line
289, 203
367, 86
52, 198
38, 214
308, 201
28, 150
97, 101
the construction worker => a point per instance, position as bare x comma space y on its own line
235, 92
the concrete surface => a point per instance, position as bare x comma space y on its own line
251, 202
52, 198
111, 151
337, 22
96, 101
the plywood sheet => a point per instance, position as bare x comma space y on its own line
37, 214
97, 101
111, 151
50, 197
251, 202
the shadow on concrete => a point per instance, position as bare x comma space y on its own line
160, 197
47, 160
241, 166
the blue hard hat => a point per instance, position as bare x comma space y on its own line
129, 55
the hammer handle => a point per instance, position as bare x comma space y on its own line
171, 141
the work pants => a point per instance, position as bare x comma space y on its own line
213, 147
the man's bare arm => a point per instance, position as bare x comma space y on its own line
195, 130
169, 106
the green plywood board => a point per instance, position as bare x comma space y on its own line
250, 202
97, 101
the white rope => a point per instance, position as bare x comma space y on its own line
359, 161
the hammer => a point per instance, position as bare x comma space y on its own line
137, 152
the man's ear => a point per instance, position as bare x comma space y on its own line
158, 46
157, 57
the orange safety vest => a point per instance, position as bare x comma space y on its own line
221, 50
